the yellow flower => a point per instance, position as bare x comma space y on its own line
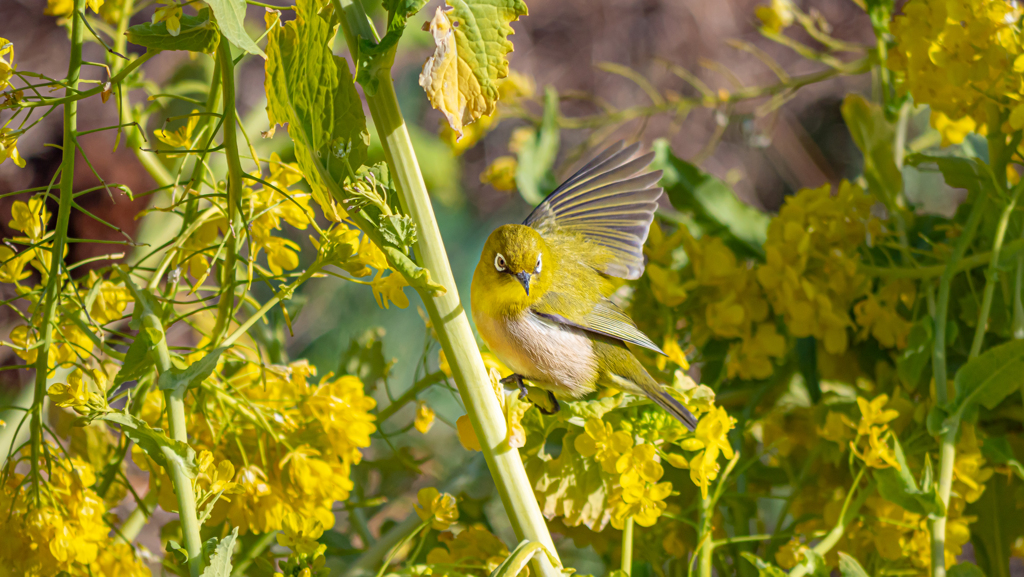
436, 507
600, 441
170, 13
30, 217
343, 410
7, 66
790, 554
111, 302
879, 454
638, 466
643, 502
389, 289
835, 429
75, 393
501, 174
710, 438
424, 418
300, 534
474, 547
9, 146
775, 18
674, 353
666, 285
969, 471
871, 414
182, 137
282, 254
467, 435
12, 266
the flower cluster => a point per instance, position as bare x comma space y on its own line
66, 531
963, 59
299, 465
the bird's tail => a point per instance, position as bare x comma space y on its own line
673, 407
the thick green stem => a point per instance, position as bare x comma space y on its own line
992, 274
177, 427
947, 458
627, 546
227, 299
707, 548
846, 515
446, 312
942, 302
51, 294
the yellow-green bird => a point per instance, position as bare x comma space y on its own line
540, 292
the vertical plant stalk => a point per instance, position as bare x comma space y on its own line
627, 546
947, 449
226, 306
51, 295
174, 399
446, 312
707, 549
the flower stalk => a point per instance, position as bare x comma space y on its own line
627, 546
446, 311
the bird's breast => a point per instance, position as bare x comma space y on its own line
553, 356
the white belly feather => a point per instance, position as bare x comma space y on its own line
552, 356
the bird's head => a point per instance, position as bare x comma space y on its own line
515, 266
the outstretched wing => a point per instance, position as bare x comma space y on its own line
608, 203
604, 319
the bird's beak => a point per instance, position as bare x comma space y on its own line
524, 279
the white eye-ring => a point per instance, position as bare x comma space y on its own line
537, 271
499, 263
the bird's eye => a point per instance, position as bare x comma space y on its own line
499, 263
537, 270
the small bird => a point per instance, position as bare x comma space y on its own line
540, 291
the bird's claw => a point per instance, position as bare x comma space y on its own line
518, 380
555, 407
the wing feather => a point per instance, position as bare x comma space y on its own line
604, 319
608, 203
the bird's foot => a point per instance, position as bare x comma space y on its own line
518, 380
555, 407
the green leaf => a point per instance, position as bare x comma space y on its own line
481, 30
312, 91
179, 552
536, 156
965, 569
958, 172
912, 362
899, 486
873, 135
764, 569
162, 449
417, 276
230, 15
399, 230
998, 526
198, 34
988, 378
850, 567
220, 561
713, 204
999, 452
136, 360
193, 375
518, 558
374, 60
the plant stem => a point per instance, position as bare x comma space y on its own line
226, 306
627, 546
394, 551
992, 274
53, 282
1014, 247
177, 425
846, 515
409, 395
447, 314
707, 548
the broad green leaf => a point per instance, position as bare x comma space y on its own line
417, 276
958, 172
398, 230
536, 156
230, 15
569, 485
965, 569
220, 561
899, 486
471, 44
988, 378
873, 135
850, 567
136, 360
517, 559
713, 204
198, 34
192, 375
155, 443
999, 452
999, 525
312, 91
